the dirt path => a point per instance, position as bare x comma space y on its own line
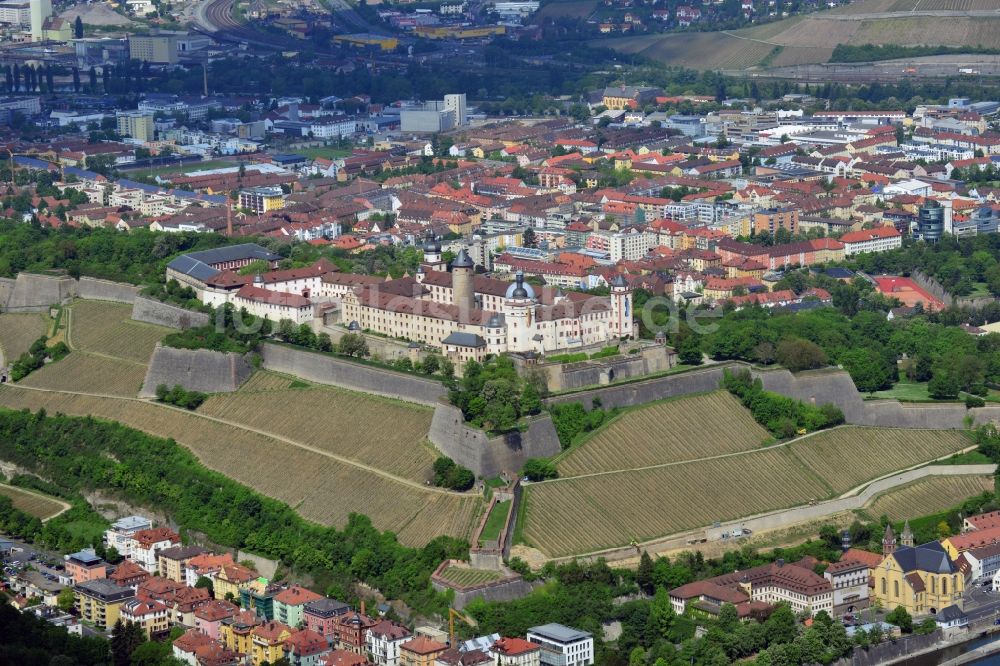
286, 440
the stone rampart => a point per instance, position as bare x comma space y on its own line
164, 314
35, 293
196, 370
816, 387
6, 291
105, 290
489, 456
325, 369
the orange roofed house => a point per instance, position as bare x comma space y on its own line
420, 651
517, 652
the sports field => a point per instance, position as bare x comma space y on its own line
32, 502
318, 485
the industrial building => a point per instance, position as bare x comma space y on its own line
40, 10
157, 49
435, 116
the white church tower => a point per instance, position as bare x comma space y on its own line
622, 317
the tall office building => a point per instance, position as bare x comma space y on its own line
930, 222
40, 10
456, 104
157, 49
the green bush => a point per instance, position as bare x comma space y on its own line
539, 469
180, 397
448, 474
781, 415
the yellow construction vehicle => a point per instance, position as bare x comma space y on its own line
452, 614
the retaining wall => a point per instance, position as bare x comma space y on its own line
817, 387
196, 370
485, 456
30, 292
105, 290
328, 370
35, 293
164, 314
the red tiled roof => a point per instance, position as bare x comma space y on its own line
514, 646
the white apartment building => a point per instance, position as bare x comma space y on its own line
15, 12
562, 645
144, 546
122, 530
879, 239
516, 652
384, 640
985, 562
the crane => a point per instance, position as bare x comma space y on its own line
452, 614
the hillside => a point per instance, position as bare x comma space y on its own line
811, 39
670, 466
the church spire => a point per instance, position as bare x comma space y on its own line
906, 538
888, 541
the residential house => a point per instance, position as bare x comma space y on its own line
144, 546
879, 239
289, 604
99, 601
306, 648
152, 616
959, 543
171, 562
984, 562
321, 616
209, 617
232, 579
85, 565
849, 579
207, 565
118, 535
236, 633
129, 574
384, 641
343, 658
517, 652
351, 630
268, 642
420, 651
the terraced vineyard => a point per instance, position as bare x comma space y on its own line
107, 328
671, 431
17, 332
87, 373
848, 457
33, 503
319, 487
464, 577
684, 464
580, 515
929, 495
384, 433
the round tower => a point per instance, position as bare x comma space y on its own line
432, 253
518, 308
622, 323
463, 291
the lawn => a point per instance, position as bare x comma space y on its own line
495, 523
907, 391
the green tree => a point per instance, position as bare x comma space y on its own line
644, 574
66, 599
78, 28
205, 583
125, 638
943, 386
352, 344
539, 469
797, 354
869, 370
901, 618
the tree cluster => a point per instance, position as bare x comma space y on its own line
180, 397
37, 355
448, 474
493, 396
783, 417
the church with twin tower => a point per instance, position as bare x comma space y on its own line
470, 316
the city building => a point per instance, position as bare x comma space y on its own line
516, 652
99, 601
930, 222
171, 562
136, 124
121, 531
420, 651
879, 239
384, 641
40, 11
15, 12
562, 645
769, 221
152, 616
922, 579
259, 200
268, 642
85, 565
306, 648
156, 49
320, 616
289, 604
849, 579
144, 546
434, 116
